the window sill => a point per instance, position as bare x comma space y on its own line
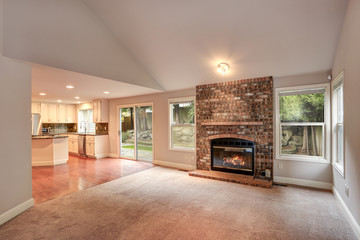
339, 168
192, 150
303, 159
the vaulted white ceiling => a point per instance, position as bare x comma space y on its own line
170, 45
181, 42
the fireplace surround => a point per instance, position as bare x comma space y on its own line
240, 109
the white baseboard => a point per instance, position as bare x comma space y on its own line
348, 214
174, 165
61, 161
113, 155
303, 182
49, 163
6, 216
44, 163
105, 155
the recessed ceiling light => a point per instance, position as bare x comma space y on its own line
77, 97
59, 101
42, 94
78, 102
106, 92
69, 86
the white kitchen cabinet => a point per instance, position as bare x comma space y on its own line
52, 112
61, 113
44, 113
36, 107
97, 146
70, 113
73, 144
90, 149
56, 113
101, 111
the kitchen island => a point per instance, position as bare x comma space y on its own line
49, 150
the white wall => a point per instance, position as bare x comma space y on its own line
67, 35
160, 130
15, 129
308, 171
348, 59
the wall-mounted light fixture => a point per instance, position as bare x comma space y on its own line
223, 68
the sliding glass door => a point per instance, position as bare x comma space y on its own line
136, 136
127, 133
144, 133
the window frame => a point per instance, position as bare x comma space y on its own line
339, 80
170, 125
326, 130
87, 122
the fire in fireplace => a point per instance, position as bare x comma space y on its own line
232, 155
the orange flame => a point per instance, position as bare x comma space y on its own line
237, 160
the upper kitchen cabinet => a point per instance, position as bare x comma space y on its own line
101, 111
36, 107
58, 113
61, 113
49, 113
70, 113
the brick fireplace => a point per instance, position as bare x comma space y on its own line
236, 110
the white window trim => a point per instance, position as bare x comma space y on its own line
87, 122
339, 167
326, 128
180, 149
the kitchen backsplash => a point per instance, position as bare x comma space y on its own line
102, 128
56, 128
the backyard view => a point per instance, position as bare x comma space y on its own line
182, 124
302, 124
142, 117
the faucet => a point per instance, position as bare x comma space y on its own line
83, 125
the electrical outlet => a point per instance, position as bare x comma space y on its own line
281, 166
347, 190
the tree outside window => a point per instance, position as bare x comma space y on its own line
182, 124
301, 123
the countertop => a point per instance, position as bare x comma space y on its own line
48, 136
88, 134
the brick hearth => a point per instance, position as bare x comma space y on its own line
238, 109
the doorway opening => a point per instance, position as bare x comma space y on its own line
136, 132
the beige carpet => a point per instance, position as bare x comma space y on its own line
162, 203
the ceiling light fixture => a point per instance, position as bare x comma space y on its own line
106, 92
59, 101
42, 94
70, 86
223, 68
78, 102
77, 97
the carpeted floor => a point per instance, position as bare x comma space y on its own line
162, 203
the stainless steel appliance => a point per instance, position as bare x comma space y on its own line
82, 145
36, 123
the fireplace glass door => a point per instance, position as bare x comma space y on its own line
232, 158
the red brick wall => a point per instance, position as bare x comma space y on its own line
237, 109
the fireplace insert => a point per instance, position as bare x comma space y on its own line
233, 155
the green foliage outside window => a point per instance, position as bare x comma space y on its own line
302, 108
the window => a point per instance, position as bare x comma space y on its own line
182, 124
302, 116
338, 122
85, 121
